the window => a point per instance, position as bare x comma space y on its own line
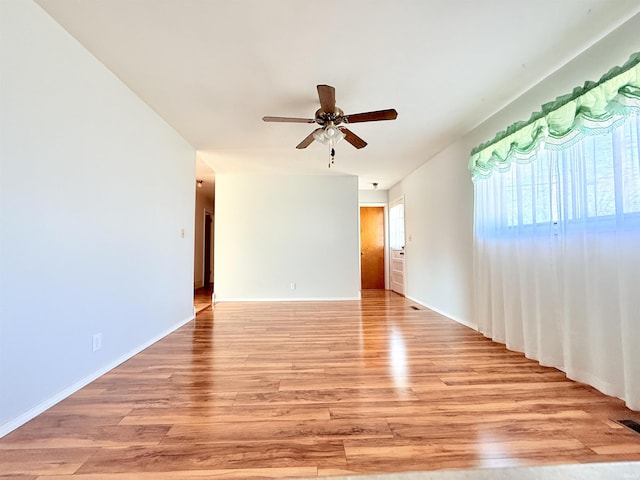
599, 176
396, 225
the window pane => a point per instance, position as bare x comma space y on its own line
598, 177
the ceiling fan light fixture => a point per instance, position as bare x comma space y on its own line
329, 135
339, 135
331, 131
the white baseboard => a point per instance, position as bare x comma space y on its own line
445, 314
288, 299
50, 402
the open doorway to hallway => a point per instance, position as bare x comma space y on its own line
208, 250
204, 235
203, 243
202, 296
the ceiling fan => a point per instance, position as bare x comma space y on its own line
330, 118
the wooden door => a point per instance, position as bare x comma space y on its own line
372, 247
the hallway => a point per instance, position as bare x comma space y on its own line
202, 298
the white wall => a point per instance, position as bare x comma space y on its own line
438, 212
274, 230
439, 195
94, 191
373, 197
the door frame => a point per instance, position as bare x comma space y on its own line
386, 238
397, 201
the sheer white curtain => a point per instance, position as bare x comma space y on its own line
557, 259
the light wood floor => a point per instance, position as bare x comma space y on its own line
259, 390
202, 298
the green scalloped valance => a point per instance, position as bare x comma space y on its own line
594, 108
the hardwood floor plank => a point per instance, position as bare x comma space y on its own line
361, 381
269, 431
39, 461
488, 452
67, 421
506, 377
215, 456
203, 415
618, 448
503, 427
84, 407
333, 472
299, 389
324, 396
88, 436
227, 474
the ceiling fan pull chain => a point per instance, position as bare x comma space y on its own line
333, 154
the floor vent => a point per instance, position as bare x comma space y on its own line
414, 307
635, 426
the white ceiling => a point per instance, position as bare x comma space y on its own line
213, 68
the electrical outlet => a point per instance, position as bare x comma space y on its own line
293, 285
97, 342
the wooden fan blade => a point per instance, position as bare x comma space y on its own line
288, 119
308, 140
378, 115
353, 139
327, 96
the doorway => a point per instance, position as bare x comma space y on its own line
372, 248
208, 250
396, 245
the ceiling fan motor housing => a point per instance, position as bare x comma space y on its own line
324, 118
